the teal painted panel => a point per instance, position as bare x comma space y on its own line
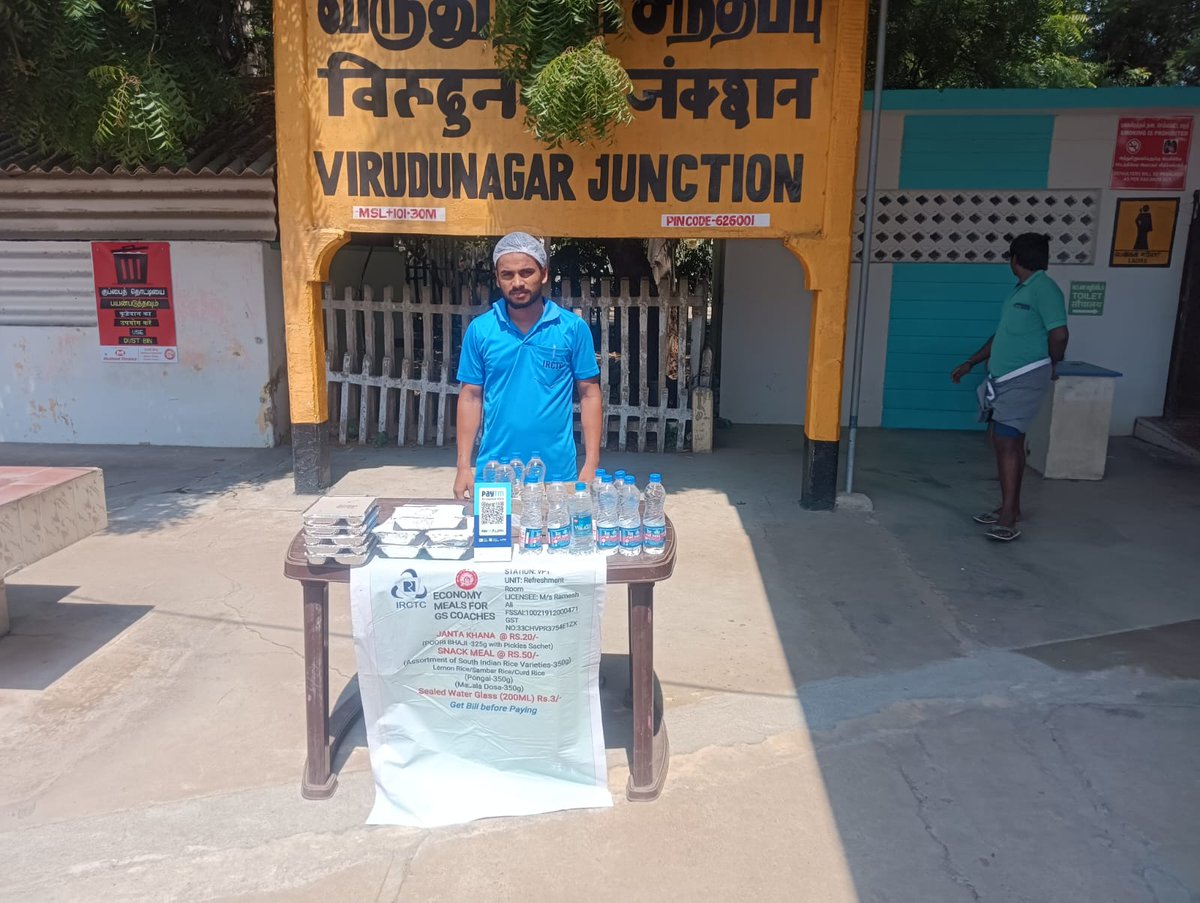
940, 314
953, 399
961, 345
921, 363
1164, 97
962, 310
938, 382
975, 330
979, 151
930, 420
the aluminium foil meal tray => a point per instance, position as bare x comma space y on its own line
341, 511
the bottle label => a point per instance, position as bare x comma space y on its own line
560, 537
656, 537
533, 538
607, 537
631, 537
582, 524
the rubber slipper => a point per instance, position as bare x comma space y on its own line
987, 518
1002, 534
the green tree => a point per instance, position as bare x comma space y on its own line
1147, 42
126, 80
987, 44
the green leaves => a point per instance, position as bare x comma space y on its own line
580, 96
130, 81
574, 90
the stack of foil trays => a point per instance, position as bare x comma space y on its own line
337, 530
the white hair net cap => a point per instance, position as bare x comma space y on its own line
520, 243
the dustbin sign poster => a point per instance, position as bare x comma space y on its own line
134, 304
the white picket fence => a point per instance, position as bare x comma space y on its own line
391, 364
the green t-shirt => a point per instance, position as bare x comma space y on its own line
1029, 313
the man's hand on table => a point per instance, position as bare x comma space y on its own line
464, 482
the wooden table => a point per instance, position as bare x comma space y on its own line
326, 729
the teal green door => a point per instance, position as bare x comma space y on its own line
940, 314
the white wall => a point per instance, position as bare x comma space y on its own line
224, 391
764, 334
1134, 334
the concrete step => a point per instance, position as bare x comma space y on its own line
1179, 436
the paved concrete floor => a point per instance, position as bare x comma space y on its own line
878, 707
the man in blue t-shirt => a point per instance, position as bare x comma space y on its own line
521, 365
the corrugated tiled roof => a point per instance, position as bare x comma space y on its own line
228, 151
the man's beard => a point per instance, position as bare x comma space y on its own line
522, 305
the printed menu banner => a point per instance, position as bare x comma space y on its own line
480, 686
134, 307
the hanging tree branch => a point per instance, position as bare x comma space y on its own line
574, 90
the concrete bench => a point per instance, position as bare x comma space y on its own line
42, 510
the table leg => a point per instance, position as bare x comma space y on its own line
650, 750
319, 783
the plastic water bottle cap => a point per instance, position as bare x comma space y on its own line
536, 454
630, 479
516, 459
581, 487
607, 478
600, 471
656, 478
620, 473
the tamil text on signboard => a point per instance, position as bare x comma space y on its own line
413, 127
134, 305
1152, 153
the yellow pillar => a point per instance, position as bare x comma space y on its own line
826, 260
305, 255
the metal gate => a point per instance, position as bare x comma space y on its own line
392, 361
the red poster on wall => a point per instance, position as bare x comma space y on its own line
134, 301
1152, 153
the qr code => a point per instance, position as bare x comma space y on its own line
491, 511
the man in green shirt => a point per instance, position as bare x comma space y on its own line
1029, 340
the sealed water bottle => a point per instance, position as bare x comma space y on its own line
654, 520
583, 542
558, 523
536, 468
516, 471
608, 532
532, 520
491, 471
629, 516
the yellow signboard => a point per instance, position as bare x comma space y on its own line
392, 117
738, 122
1144, 232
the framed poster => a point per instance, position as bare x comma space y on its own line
134, 306
1144, 232
1152, 153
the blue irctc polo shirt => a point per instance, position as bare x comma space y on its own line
528, 385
